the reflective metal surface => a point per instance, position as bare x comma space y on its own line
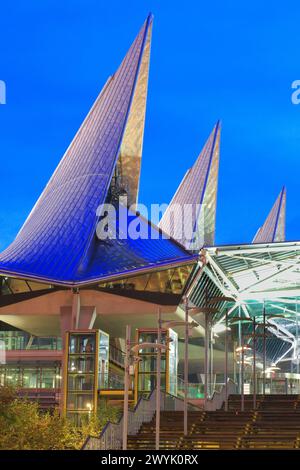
198, 187
54, 243
273, 230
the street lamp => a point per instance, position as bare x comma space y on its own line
188, 326
264, 324
241, 349
217, 329
207, 311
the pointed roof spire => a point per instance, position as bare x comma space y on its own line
273, 230
129, 161
56, 237
193, 207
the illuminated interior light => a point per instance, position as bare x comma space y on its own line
271, 369
220, 328
241, 348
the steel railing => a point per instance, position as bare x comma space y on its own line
219, 397
116, 355
195, 390
18, 341
111, 435
111, 381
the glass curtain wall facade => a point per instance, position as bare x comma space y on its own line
168, 281
34, 375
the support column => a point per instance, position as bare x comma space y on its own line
211, 361
297, 340
243, 371
73, 317
126, 386
264, 350
240, 362
158, 382
86, 318
234, 362
254, 364
186, 368
206, 362
226, 361
66, 324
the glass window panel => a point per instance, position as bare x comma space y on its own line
38, 286
173, 361
147, 382
13, 376
80, 401
81, 382
149, 364
79, 418
81, 364
5, 290
31, 378
18, 285
82, 343
18, 340
103, 359
47, 343
150, 337
14, 340
59, 343
48, 378
164, 281
14, 286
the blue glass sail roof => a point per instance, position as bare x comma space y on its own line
57, 241
123, 256
120, 257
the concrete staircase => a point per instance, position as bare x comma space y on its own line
274, 424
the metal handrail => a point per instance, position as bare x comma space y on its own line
31, 342
178, 403
116, 355
111, 381
197, 388
111, 436
219, 397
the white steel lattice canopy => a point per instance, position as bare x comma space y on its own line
260, 277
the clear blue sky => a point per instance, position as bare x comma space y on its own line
210, 60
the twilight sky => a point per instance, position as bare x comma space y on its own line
210, 60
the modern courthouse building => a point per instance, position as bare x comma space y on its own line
67, 295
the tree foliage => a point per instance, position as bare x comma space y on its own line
24, 427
